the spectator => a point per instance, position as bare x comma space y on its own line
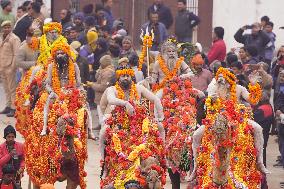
277, 62
123, 61
263, 115
21, 10
88, 10
127, 48
8, 50
81, 61
9, 178
114, 50
73, 34
11, 152
101, 50
24, 8
184, 23
89, 23
198, 50
270, 47
230, 58
26, 56
79, 21
159, 29
218, 49
109, 17
38, 18
24, 23
165, 15
263, 21
257, 38
237, 68
279, 108
6, 13
202, 77
44, 10
103, 77
65, 16
242, 55
133, 62
252, 55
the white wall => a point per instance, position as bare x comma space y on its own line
233, 14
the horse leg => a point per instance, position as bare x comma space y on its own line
71, 184
175, 179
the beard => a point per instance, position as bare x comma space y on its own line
62, 61
125, 84
170, 60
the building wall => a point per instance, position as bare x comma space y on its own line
123, 9
234, 14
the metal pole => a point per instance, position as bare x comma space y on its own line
133, 19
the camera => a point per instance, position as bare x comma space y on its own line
249, 26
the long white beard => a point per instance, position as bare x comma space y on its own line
222, 90
171, 62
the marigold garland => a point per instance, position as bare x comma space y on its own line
231, 79
52, 26
147, 43
34, 45
255, 93
129, 72
56, 86
179, 103
243, 171
123, 159
133, 95
169, 74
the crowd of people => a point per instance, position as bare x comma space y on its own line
105, 54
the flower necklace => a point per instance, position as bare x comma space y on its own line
55, 77
34, 45
133, 95
168, 74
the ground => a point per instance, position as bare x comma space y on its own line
93, 164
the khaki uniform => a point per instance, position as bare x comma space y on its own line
8, 48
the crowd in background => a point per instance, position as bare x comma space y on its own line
102, 43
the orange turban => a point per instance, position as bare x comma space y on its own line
197, 59
47, 186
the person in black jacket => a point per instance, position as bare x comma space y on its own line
165, 14
257, 38
185, 22
24, 23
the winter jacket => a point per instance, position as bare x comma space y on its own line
259, 41
165, 14
5, 157
217, 51
184, 23
8, 49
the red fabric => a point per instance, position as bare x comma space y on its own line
10, 186
5, 156
217, 51
267, 110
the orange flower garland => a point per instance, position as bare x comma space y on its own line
255, 93
52, 26
133, 92
147, 43
231, 79
168, 74
34, 45
125, 72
